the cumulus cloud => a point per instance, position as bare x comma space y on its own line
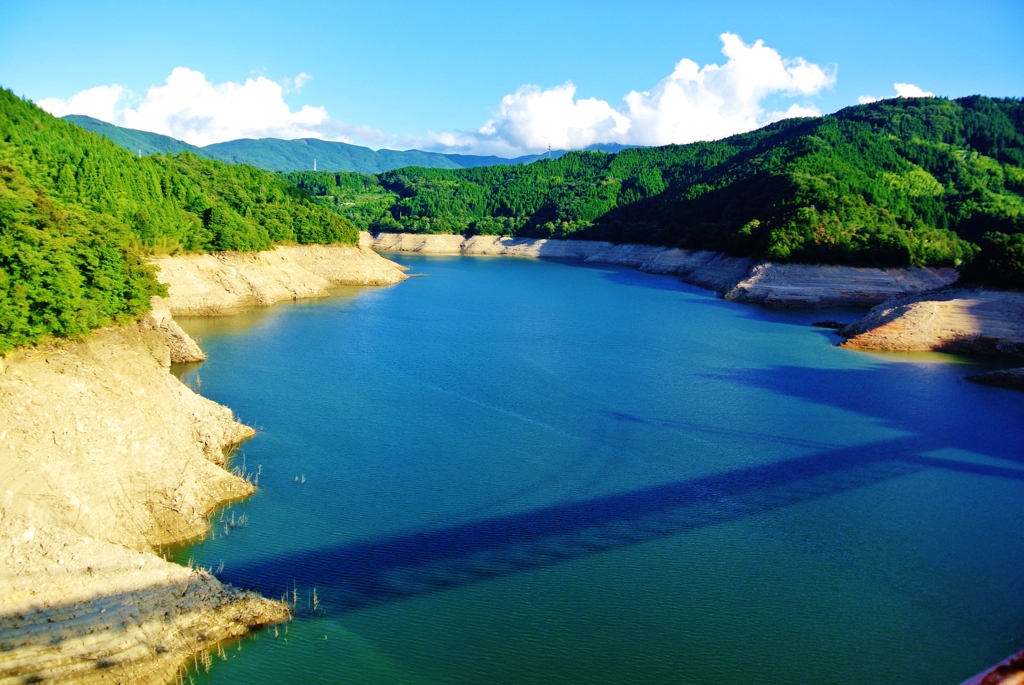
189, 107
903, 90
909, 90
692, 103
749, 89
100, 102
533, 118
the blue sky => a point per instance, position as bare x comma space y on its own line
414, 74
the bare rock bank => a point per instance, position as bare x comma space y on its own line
223, 283
816, 285
1008, 672
953, 320
1012, 379
105, 455
734, 278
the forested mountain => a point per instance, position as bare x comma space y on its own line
78, 214
273, 154
924, 181
136, 141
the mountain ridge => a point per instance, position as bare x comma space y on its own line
276, 154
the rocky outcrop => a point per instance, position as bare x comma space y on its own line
223, 283
181, 348
815, 285
1009, 672
430, 243
1012, 379
952, 320
104, 455
735, 278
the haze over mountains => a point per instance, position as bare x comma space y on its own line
273, 154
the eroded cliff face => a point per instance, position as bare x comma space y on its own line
104, 455
223, 283
953, 320
735, 278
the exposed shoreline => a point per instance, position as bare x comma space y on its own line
223, 283
915, 309
107, 456
955, 320
805, 286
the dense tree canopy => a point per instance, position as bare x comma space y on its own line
78, 214
916, 181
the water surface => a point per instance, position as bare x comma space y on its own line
519, 471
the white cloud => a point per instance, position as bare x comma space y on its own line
903, 90
533, 118
189, 107
692, 103
99, 102
294, 85
909, 90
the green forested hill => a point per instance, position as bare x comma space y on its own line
136, 141
274, 154
288, 155
921, 181
78, 214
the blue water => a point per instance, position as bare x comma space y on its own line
518, 471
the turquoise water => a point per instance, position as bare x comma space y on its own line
517, 471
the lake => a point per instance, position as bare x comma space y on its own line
524, 471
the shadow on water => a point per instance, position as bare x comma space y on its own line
641, 279
920, 398
356, 576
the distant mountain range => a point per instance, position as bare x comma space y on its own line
273, 154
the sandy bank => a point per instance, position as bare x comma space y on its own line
222, 283
743, 280
103, 456
953, 320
